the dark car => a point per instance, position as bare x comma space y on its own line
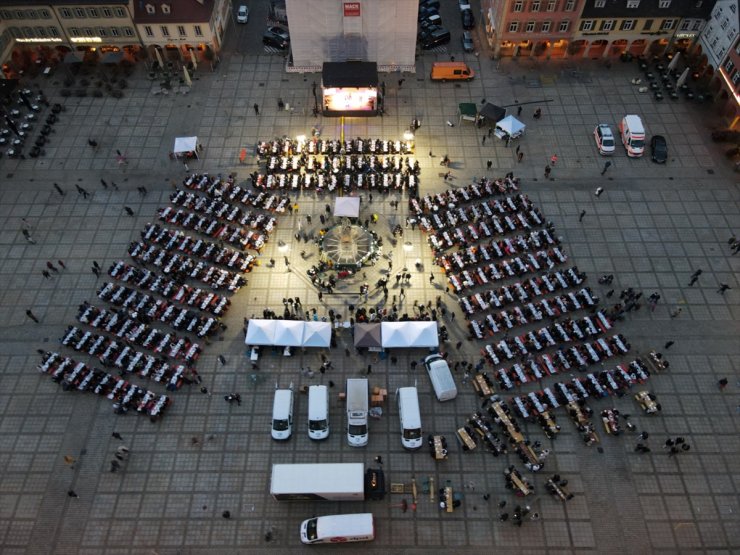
467, 41
437, 37
429, 4
659, 149
276, 41
279, 32
468, 21
426, 13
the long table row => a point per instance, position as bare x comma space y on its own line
316, 145
216, 187
483, 189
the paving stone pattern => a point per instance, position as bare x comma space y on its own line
652, 227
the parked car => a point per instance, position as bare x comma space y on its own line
279, 32
468, 21
242, 15
271, 39
604, 139
437, 37
430, 22
426, 13
659, 149
429, 4
467, 41
463, 4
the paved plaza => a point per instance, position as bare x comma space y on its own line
652, 227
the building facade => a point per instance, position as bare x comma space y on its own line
610, 28
381, 31
530, 27
34, 34
718, 57
180, 29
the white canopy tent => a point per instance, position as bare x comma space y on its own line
186, 144
288, 333
261, 332
409, 334
316, 334
348, 207
510, 126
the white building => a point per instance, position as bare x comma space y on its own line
721, 32
381, 31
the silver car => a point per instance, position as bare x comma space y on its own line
604, 139
467, 41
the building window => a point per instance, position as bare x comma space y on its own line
74, 31
114, 32
92, 12
514, 27
518, 6
564, 25
150, 9
736, 78
89, 32
20, 15
79, 12
128, 31
599, 3
165, 31
729, 67
664, 4
607, 25
28, 33
53, 31
165, 8
546, 26
198, 31
5, 14
40, 32
119, 12
148, 30
44, 14
32, 14
570, 5
668, 24
181, 31
628, 25
648, 24
16, 32
551, 6
633, 4
106, 12
535, 6
102, 32
587, 25
685, 25
65, 12
530, 27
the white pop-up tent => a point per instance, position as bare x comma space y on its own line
409, 334
510, 126
316, 334
186, 144
348, 207
288, 333
261, 332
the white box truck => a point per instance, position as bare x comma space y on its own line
330, 482
338, 529
357, 408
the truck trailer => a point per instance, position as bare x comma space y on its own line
330, 481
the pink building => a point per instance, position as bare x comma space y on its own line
530, 27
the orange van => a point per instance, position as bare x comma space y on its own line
451, 71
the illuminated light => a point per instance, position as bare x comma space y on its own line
408, 136
86, 39
301, 138
350, 99
39, 40
407, 246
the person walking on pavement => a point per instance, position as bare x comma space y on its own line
484, 140
96, 271
128, 210
104, 183
722, 383
722, 288
59, 190
519, 111
581, 215
668, 344
553, 159
519, 156
607, 165
489, 164
548, 169
27, 235
61, 263
46, 274
32, 316
256, 109
695, 277
598, 191
82, 191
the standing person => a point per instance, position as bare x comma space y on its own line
581, 215
722, 383
52, 267
518, 148
32, 316
598, 191
128, 210
59, 190
695, 277
96, 271
607, 165
46, 274
668, 344
256, 108
553, 159
548, 169
489, 164
484, 140
519, 111
27, 235
61, 263
104, 183
519, 156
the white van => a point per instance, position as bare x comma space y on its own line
633, 135
282, 414
338, 529
410, 417
441, 377
318, 412
357, 408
